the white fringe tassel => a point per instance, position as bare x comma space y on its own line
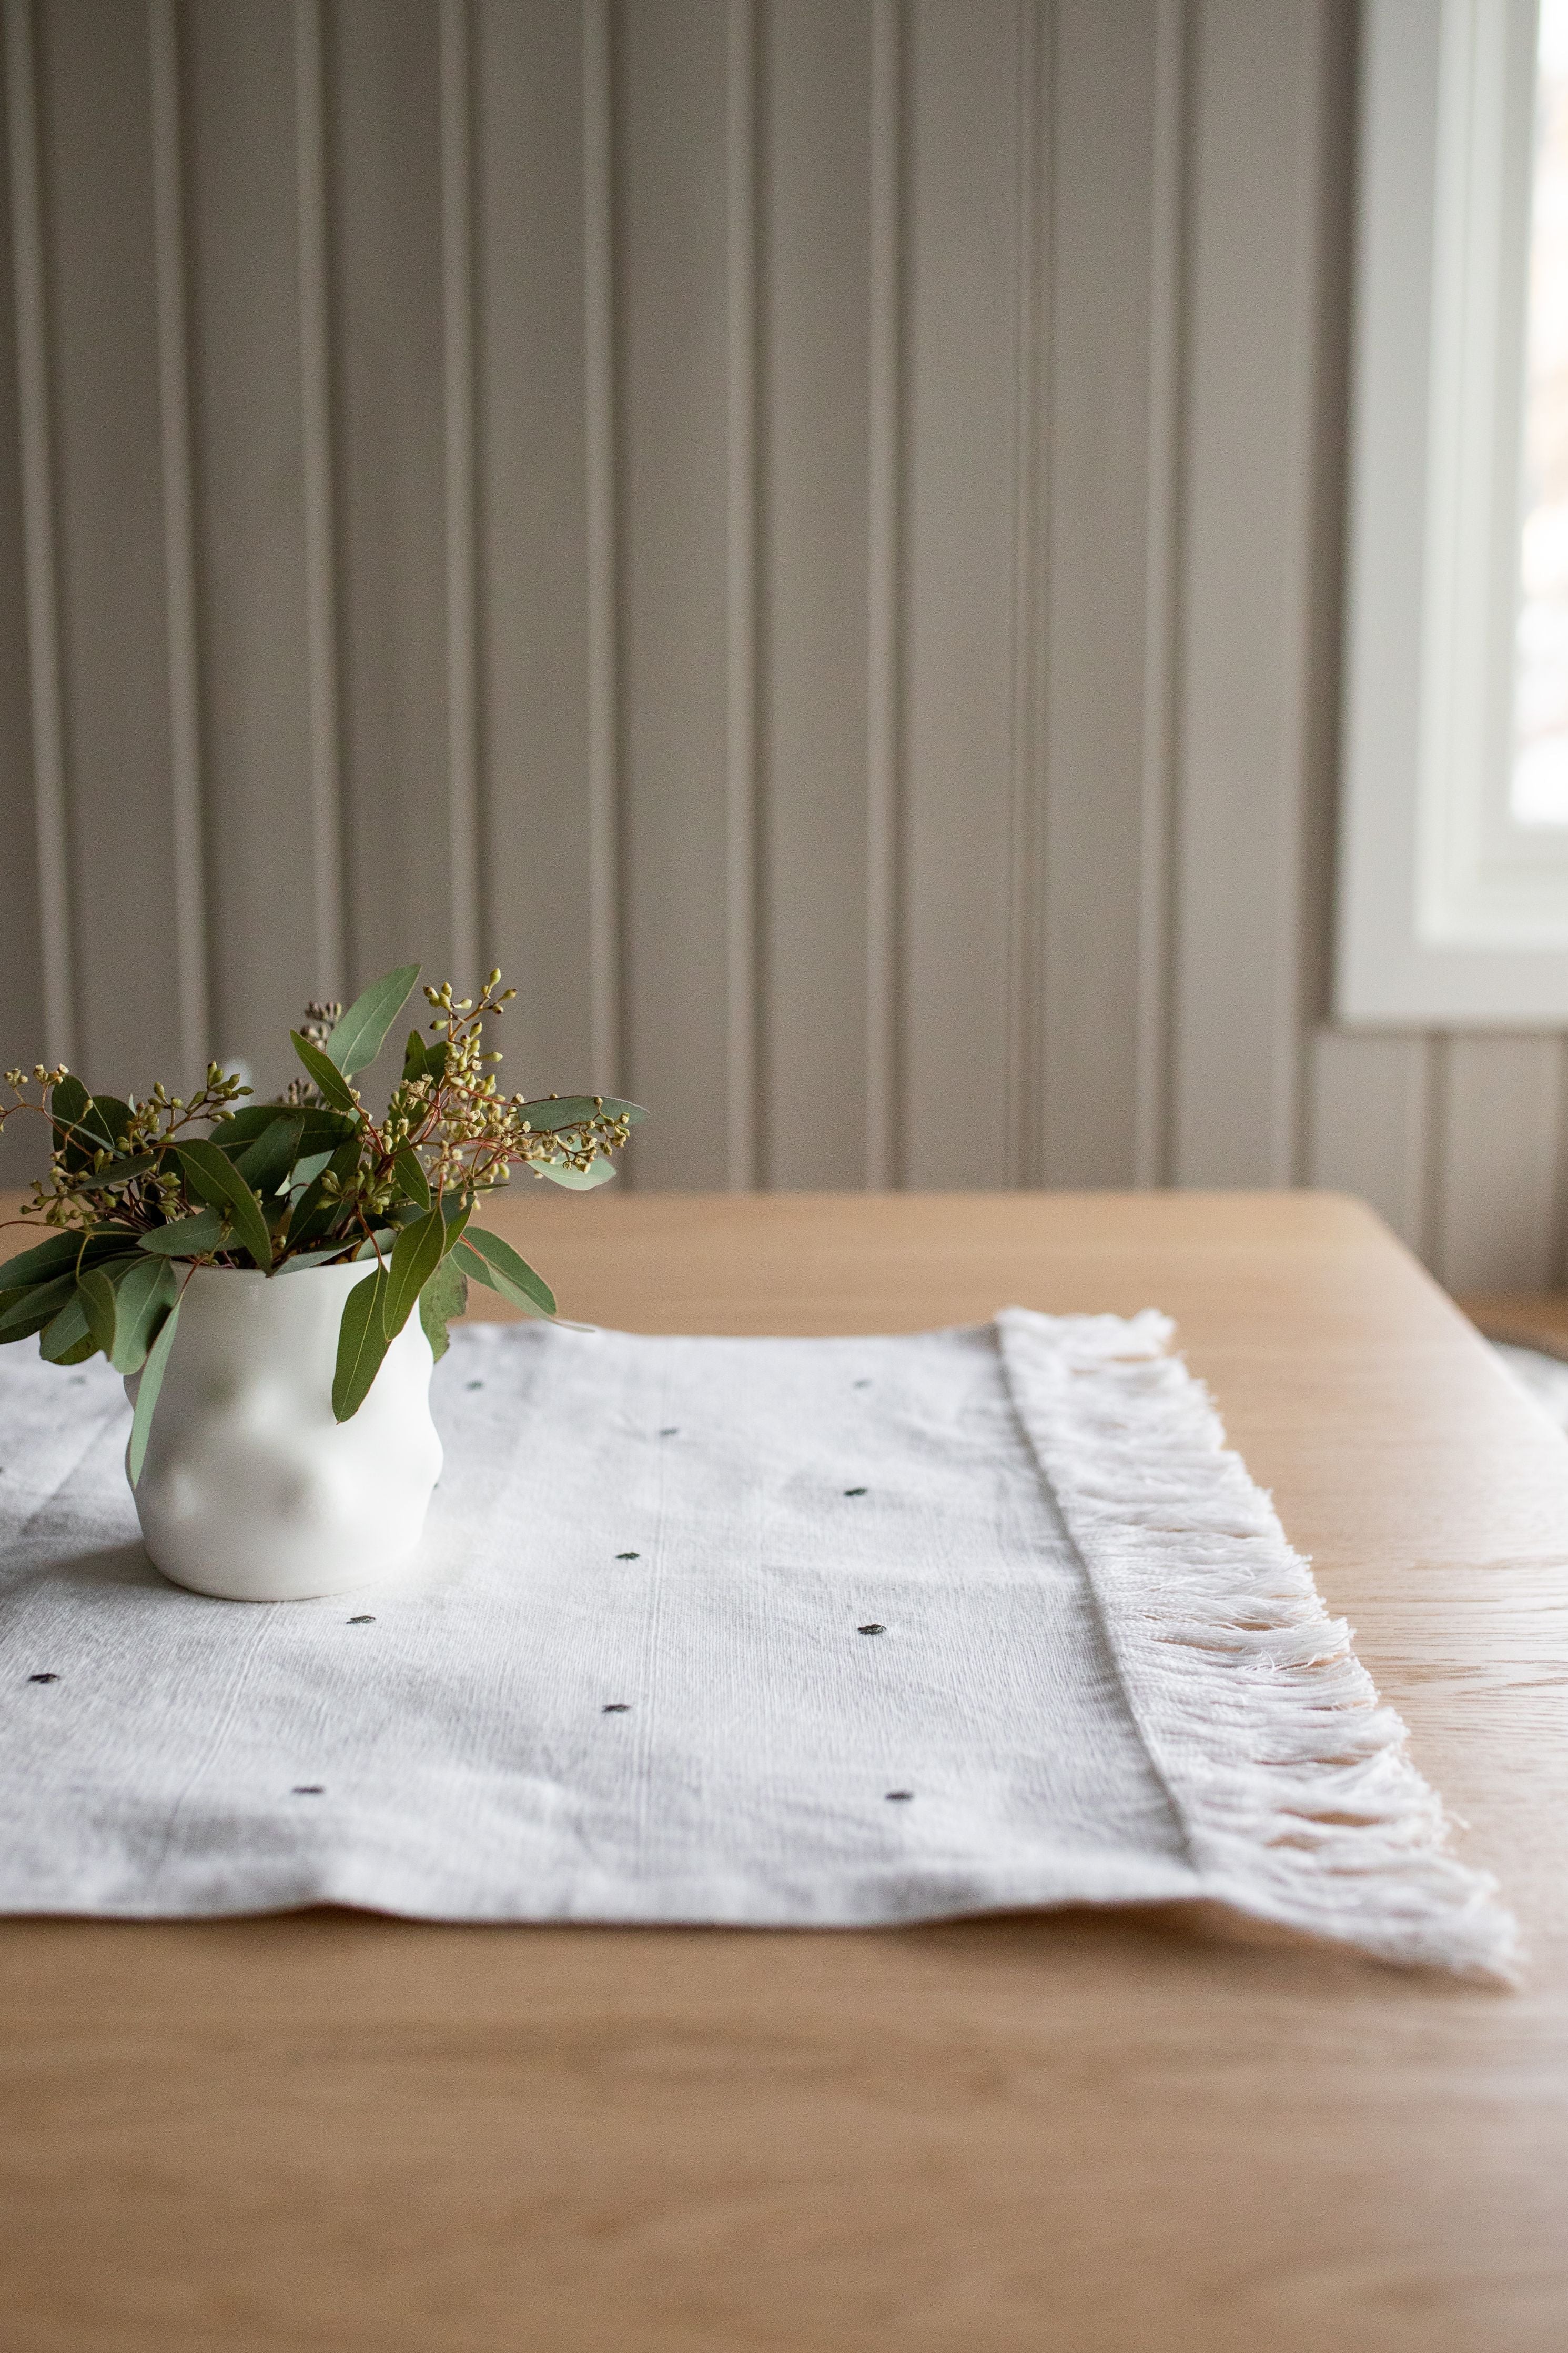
1291, 1783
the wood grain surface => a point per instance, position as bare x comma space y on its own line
1527, 1318
1091, 2132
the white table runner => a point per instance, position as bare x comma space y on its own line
781, 1632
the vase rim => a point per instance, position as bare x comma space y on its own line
261, 1274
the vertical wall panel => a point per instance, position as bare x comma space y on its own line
672, 262
1029, 651
323, 665
606, 1008
1104, 231
37, 573
383, 89
1254, 210
95, 90
22, 1028
807, 529
961, 387
1371, 1105
188, 878
743, 977
533, 591
816, 68
886, 437
1499, 1148
251, 560
460, 423
1167, 287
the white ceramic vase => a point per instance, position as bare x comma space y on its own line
249, 1489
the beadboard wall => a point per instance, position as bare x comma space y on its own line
808, 531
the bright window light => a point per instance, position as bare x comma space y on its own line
1539, 794
1453, 875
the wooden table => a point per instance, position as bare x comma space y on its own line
1087, 2131
1526, 1319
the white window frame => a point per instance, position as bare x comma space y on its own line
1450, 914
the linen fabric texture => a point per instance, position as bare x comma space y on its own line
821, 1632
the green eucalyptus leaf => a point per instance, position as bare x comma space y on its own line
309, 1258
143, 1296
79, 1131
309, 1217
324, 1130
91, 1137
415, 1256
578, 1180
77, 1353
60, 1253
96, 1293
113, 1114
124, 1172
25, 1331
410, 1171
424, 1058
111, 1297
64, 1333
195, 1237
454, 1215
69, 1099
306, 1168
265, 1163
376, 1245
325, 1076
553, 1113
213, 1176
473, 1267
147, 1390
232, 1129
443, 1296
321, 1130
358, 1037
495, 1262
36, 1305
316, 1212
362, 1345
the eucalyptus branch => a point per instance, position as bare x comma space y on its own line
312, 1175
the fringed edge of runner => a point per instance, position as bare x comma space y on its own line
1290, 1780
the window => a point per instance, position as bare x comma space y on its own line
1453, 864
1539, 784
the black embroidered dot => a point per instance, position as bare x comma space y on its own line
672, 1432
43, 1679
362, 1621
897, 1797
307, 1789
855, 1491
862, 1384
474, 1384
616, 1707
628, 1556
871, 1629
